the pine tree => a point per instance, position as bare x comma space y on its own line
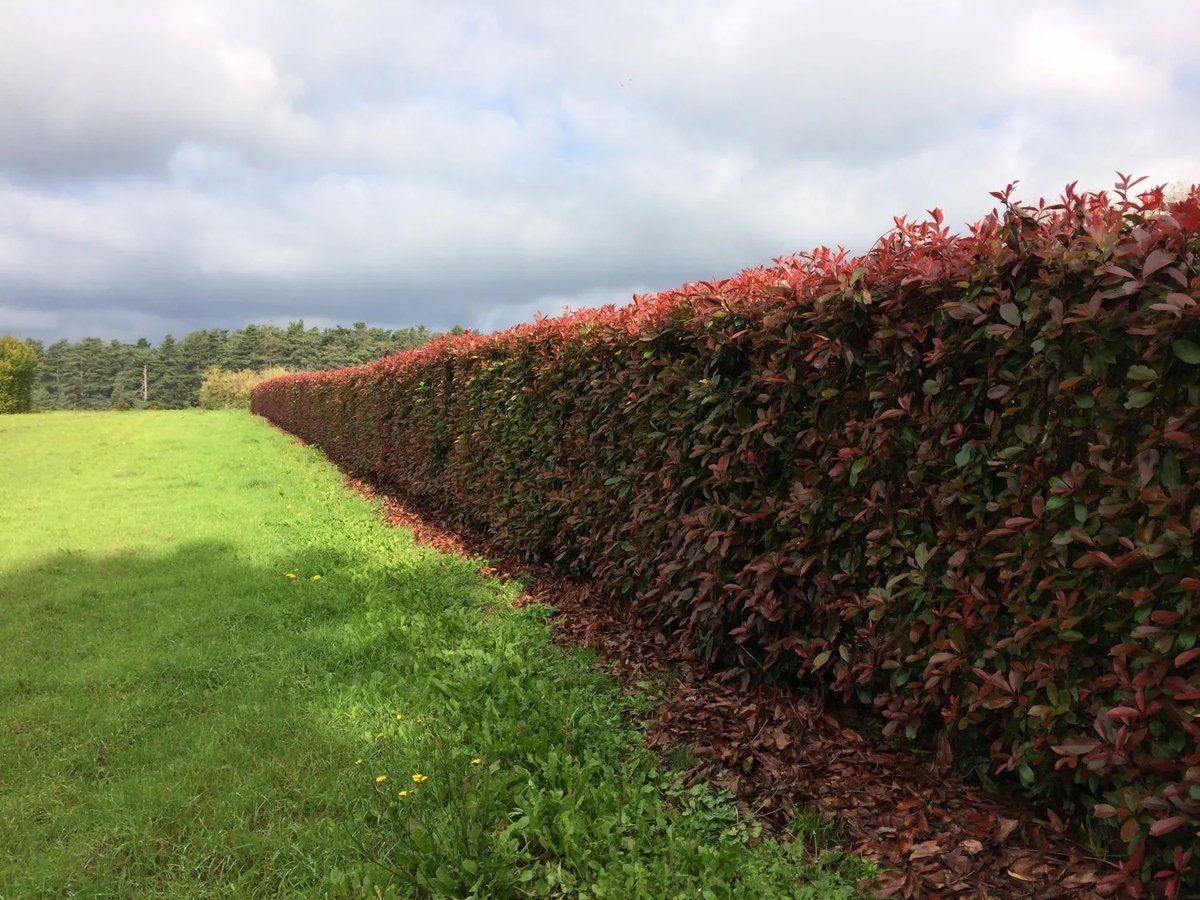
53, 377
167, 384
197, 353
243, 350
303, 348
122, 361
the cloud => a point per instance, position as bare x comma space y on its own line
90, 91
168, 166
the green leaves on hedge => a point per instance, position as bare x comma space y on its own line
1188, 351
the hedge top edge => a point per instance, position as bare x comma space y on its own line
925, 251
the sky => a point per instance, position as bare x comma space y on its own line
168, 166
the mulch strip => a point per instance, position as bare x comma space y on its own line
780, 753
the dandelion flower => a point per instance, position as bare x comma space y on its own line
289, 574
418, 777
402, 793
380, 779
399, 716
316, 578
477, 760
358, 762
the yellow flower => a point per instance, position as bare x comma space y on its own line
402, 793
316, 578
476, 761
399, 716
418, 777
380, 779
289, 574
381, 734
358, 762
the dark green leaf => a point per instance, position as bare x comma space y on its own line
1188, 351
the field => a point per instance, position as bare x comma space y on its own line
222, 675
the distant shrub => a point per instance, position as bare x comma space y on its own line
18, 371
231, 390
956, 478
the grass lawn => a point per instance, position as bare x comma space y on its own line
221, 675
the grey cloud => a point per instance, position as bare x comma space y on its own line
168, 166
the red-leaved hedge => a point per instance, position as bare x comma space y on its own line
955, 477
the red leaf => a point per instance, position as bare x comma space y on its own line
1155, 261
1186, 657
1165, 617
1166, 826
1129, 830
1076, 746
1123, 712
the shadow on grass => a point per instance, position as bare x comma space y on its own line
198, 723
169, 716
157, 717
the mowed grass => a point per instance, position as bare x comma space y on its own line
180, 718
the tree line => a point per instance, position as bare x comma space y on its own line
92, 374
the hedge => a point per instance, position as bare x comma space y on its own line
954, 478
